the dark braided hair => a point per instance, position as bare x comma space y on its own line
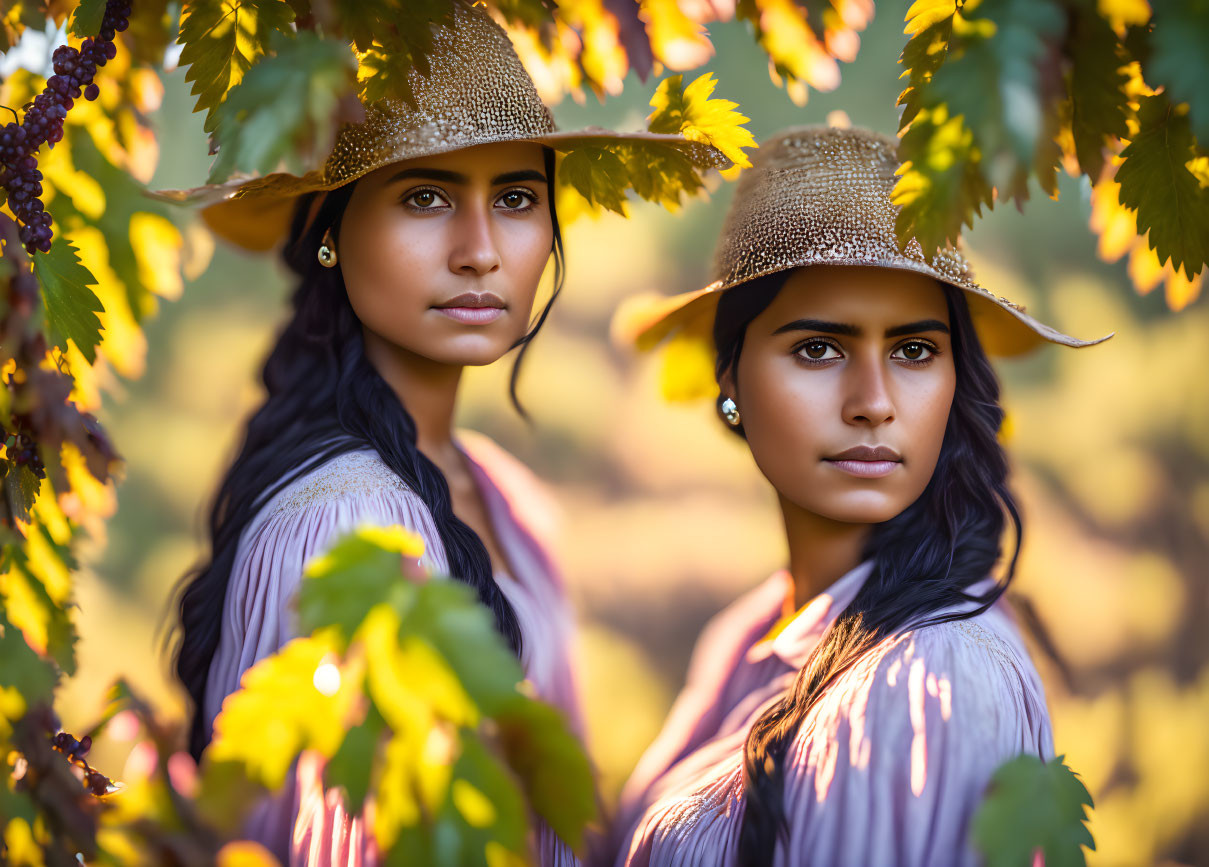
924, 559
325, 399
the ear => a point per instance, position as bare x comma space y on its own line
727, 385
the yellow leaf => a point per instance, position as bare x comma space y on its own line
1116, 225
244, 853
475, 807
1181, 291
691, 112
688, 369
603, 59
676, 39
922, 14
1124, 13
1144, 268
277, 712
157, 245
23, 849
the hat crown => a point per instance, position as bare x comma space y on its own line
476, 92
818, 195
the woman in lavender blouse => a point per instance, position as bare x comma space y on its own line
850, 709
418, 248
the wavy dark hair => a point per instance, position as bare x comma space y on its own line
325, 399
924, 559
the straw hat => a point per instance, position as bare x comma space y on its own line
477, 92
821, 195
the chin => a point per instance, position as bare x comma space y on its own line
866, 507
472, 350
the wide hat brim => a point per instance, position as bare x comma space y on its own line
255, 213
822, 196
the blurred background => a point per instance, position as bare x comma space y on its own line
663, 517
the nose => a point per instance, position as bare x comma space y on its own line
868, 401
474, 252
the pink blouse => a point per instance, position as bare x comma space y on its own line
889, 765
304, 824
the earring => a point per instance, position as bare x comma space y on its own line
730, 412
327, 251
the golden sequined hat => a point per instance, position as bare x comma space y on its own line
821, 195
476, 92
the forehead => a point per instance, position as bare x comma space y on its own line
859, 295
481, 161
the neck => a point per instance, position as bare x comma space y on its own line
428, 389
820, 551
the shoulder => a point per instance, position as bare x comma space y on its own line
529, 499
347, 476
966, 689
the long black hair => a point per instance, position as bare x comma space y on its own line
924, 559
326, 399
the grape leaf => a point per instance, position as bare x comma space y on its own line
691, 112
71, 307
1097, 80
284, 107
598, 175
941, 184
21, 666
358, 572
1171, 204
1033, 806
278, 711
922, 56
86, 18
992, 78
353, 764
388, 55
222, 39
554, 771
20, 489
1178, 59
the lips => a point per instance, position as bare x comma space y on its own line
473, 308
867, 462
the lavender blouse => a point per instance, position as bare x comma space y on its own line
888, 767
304, 824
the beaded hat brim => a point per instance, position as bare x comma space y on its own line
821, 196
475, 92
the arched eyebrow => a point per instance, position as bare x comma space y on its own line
459, 178
845, 328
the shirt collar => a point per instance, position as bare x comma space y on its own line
801, 635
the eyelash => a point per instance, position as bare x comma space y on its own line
534, 199
815, 341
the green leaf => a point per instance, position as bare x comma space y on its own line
1155, 181
390, 55
941, 184
923, 55
71, 307
22, 667
598, 175
1179, 60
222, 39
20, 489
1099, 105
550, 761
86, 19
991, 77
1033, 806
358, 572
284, 107
353, 765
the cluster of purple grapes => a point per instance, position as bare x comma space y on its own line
76, 750
43, 123
21, 449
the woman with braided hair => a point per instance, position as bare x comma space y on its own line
418, 249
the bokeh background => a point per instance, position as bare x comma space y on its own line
663, 517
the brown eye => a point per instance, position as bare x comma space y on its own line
817, 350
913, 352
514, 200
424, 198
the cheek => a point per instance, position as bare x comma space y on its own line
388, 269
785, 413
